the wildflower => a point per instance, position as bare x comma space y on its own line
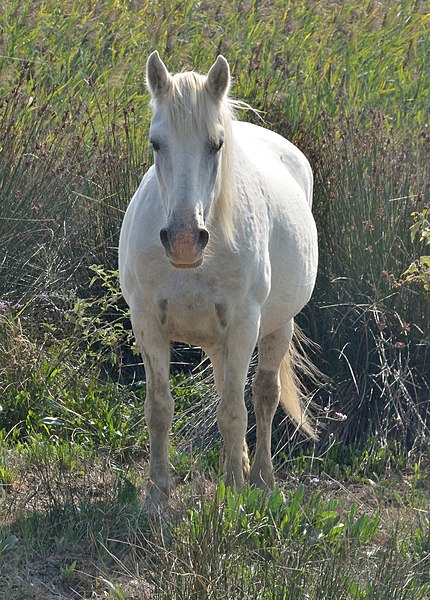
341, 416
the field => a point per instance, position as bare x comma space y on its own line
349, 84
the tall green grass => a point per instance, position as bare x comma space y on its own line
347, 82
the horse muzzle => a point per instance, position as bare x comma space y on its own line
185, 249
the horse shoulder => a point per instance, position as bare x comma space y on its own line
139, 233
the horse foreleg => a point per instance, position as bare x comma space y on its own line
159, 405
216, 356
232, 414
266, 393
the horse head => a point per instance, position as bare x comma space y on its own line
188, 134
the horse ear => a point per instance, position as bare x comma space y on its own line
157, 76
218, 80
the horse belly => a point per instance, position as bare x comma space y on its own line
294, 263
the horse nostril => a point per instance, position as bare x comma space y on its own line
203, 238
164, 237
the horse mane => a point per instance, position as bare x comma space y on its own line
189, 105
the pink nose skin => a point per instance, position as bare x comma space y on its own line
185, 249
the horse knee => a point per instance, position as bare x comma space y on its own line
159, 412
232, 421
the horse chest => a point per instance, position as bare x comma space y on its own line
197, 307
193, 318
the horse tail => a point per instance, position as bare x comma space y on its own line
246, 467
291, 397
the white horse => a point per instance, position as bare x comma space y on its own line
218, 249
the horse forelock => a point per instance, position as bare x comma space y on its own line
189, 106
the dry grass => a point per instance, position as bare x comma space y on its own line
80, 532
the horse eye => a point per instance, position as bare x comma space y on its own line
155, 145
216, 146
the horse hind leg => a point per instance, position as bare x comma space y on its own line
266, 391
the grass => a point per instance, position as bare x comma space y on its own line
72, 526
348, 83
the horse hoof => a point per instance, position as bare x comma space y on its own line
154, 507
156, 501
265, 484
